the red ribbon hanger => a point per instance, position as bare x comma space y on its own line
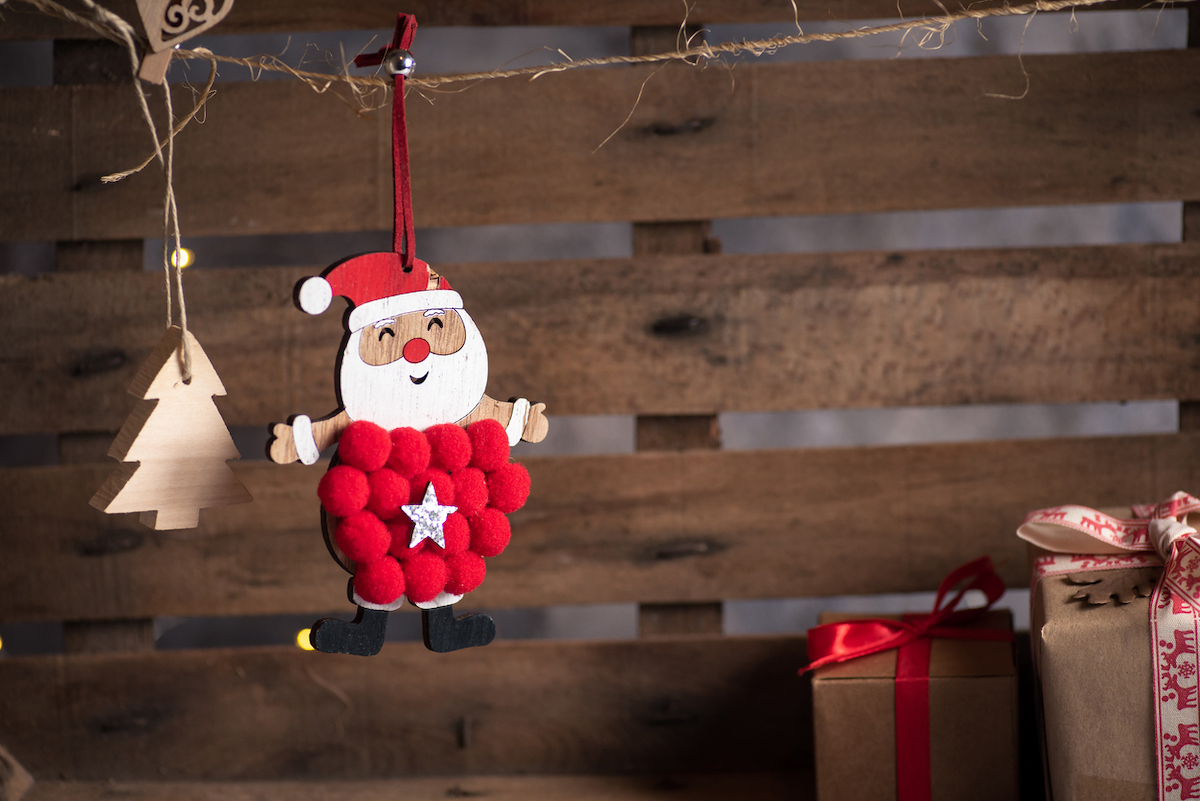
403, 234
850, 639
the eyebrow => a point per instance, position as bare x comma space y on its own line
386, 321
434, 312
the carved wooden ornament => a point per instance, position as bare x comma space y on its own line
169, 22
174, 445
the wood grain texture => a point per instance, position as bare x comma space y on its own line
711, 704
15, 781
276, 16
702, 787
654, 527
659, 336
783, 139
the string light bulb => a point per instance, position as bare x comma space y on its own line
182, 258
302, 640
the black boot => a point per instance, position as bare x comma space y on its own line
444, 632
362, 637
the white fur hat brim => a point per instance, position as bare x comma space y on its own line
397, 305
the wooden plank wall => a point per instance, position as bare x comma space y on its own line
675, 334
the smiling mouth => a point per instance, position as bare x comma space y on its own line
420, 380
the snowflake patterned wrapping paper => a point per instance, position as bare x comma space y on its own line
1118, 681
972, 717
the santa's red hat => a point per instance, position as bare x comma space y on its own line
377, 287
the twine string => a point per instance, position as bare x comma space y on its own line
171, 259
322, 81
127, 36
117, 29
207, 93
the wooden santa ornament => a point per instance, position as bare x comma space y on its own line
419, 492
174, 445
170, 22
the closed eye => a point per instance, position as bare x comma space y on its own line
387, 331
432, 321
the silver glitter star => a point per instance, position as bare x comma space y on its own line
428, 518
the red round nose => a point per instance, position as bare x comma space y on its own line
415, 350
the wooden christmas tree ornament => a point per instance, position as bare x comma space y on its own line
174, 445
169, 22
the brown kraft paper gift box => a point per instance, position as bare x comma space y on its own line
972, 715
1097, 710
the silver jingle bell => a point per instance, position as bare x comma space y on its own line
399, 62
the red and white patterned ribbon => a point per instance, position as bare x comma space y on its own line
1084, 540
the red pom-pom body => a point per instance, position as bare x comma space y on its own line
381, 471
364, 445
344, 490
443, 487
470, 490
508, 487
425, 576
401, 530
489, 445
457, 533
389, 491
362, 537
490, 532
410, 452
450, 447
379, 582
466, 572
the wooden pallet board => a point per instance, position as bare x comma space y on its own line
689, 704
277, 16
782, 139
702, 787
774, 333
649, 527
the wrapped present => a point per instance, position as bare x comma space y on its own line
921, 706
1115, 614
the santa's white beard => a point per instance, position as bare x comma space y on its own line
387, 396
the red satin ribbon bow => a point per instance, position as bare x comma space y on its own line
850, 639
